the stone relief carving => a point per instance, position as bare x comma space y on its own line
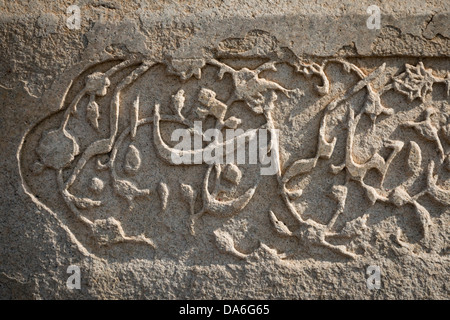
107, 152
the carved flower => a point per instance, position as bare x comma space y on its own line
415, 82
373, 107
97, 83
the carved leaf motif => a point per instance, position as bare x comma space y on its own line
97, 185
187, 191
132, 160
427, 129
108, 231
81, 203
189, 196
447, 83
415, 157
178, 103
399, 197
446, 131
224, 240
280, 227
339, 193
92, 114
293, 195
134, 118
373, 107
355, 227
439, 194
163, 192
129, 191
232, 174
57, 148
424, 217
225, 243
325, 148
86, 203
299, 167
97, 83
373, 194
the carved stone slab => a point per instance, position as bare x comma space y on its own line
361, 151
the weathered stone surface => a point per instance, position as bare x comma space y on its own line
363, 120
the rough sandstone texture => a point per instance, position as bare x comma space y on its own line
364, 140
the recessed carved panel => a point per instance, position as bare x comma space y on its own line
363, 156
